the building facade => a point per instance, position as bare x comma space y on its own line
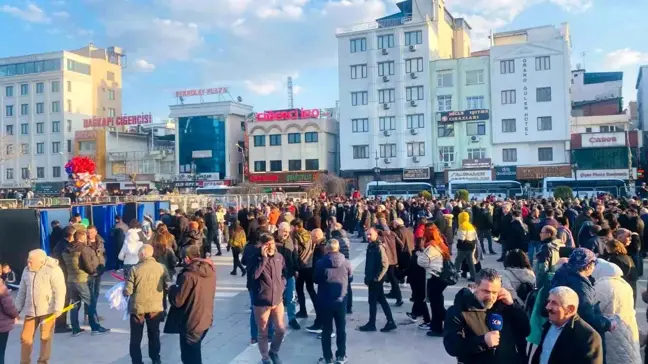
44, 99
385, 89
530, 80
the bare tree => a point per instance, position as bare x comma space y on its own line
331, 184
7, 149
246, 188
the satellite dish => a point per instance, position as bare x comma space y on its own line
239, 99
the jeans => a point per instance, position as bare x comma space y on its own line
534, 248
305, 277
264, 315
137, 322
190, 343
419, 308
289, 298
392, 277
94, 285
27, 339
435, 288
80, 292
4, 336
254, 330
376, 296
335, 313
485, 234
236, 253
468, 257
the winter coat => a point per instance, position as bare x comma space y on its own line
512, 279
169, 260
41, 292
8, 312
466, 240
614, 296
578, 343
269, 281
447, 231
132, 244
431, 260
237, 239
100, 251
80, 261
333, 274
193, 294
519, 238
376, 263
343, 239
388, 239
291, 258
304, 243
145, 285
546, 260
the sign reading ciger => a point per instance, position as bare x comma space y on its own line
124, 120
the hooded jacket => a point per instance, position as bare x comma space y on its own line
466, 233
100, 250
304, 243
467, 323
193, 294
41, 292
131, 247
332, 275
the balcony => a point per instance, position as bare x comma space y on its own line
138, 156
384, 23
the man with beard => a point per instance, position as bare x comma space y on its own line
467, 335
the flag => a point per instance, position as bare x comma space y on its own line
66, 309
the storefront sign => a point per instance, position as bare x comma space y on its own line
606, 174
540, 172
525, 93
603, 140
416, 173
476, 163
290, 114
470, 175
200, 176
187, 184
202, 92
197, 154
85, 135
288, 177
49, 188
466, 115
506, 173
124, 120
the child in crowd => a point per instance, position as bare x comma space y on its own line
8, 276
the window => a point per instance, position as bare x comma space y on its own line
69, 86
507, 66
311, 137
416, 149
40, 172
359, 98
359, 125
9, 129
24, 89
259, 141
478, 128
414, 93
415, 121
9, 173
40, 107
260, 166
414, 65
56, 126
508, 97
78, 67
415, 37
387, 150
312, 164
359, 71
69, 145
110, 76
9, 110
360, 152
444, 79
588, 130
294, 165
111, 112
386, 68
24, 129
387, 123
446, 154
445, 130
358, 45
543, 94
56, 86
68, 126
474, 77
56, 172
543, 63
476, 153
275, 166
24, 148
508, 126
69, 105
444, 103
24, 173
509, 155
275, 139
24, 109
56, 147
474, 102
40, 88
40, 148
9, 91
294, 138
544, 123
386, 95
111, 94
56, 106
385, 41
545, 154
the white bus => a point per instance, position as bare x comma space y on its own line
482, 189
213, 190
587, 187
397, 189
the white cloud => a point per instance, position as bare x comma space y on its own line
298, 89
31, 13
144, 65
624, 58
61, 14
574, 6
262, 88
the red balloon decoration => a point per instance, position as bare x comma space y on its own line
80, 165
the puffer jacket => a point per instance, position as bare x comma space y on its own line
131, 247
41, 292
237, 239
512, 279
614, 295
80, 261
304, 243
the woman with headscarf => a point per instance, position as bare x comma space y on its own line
466, 244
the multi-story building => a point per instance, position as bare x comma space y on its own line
461, 101
291, 147
530, 103
385, 92
44, 99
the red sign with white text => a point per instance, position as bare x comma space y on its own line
615, 139
290, 114
124, 120
202, 92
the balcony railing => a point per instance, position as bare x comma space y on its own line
386, 23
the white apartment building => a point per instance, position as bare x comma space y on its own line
530, 80
642, 98
43, 101
385, 92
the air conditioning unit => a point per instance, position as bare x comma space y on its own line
415, 159
387, 132
385, 79
412, 48
384, 52
446, 164
387, 160
474, 139
413, 131
385, 106
412, 103
413, 75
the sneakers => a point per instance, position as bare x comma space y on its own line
233, 273
275, 358
332, 335
294, 324
78, 332
302, 314
63, 330
399, 303
424, 326
434, 334
100, 331
410, 316
367, 328
325, 361
341, 359
315, 329
390, 326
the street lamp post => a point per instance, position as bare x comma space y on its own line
377, 172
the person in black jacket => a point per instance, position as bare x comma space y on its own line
483, 222
504, 228
212, 232
55, 236
345, 245
286, 247
252, 227
467, 335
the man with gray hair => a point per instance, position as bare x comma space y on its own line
286, 247
567, 338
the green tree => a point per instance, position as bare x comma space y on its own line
563, 193
462, 195
427, 195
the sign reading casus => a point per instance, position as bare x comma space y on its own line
465, 115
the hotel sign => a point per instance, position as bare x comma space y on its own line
466, 115
525, 92
289, 114
124, 120
202, 92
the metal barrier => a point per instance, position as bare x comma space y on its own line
45, 202
9, 203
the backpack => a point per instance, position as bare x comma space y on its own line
449, 273
524, 291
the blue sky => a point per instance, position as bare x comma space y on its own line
251, 46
